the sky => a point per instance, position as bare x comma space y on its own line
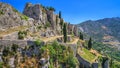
76, 11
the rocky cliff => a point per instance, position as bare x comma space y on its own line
10, 17
45, 15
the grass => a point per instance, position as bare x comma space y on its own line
11, 30
87, 55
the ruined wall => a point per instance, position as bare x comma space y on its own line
21, 43
83, 62
106, 64
95, 65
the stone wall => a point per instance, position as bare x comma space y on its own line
21, 43
83, 62
94, 65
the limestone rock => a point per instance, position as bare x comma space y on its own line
33, 11
10, 17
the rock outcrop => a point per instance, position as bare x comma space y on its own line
10, 17
46, 17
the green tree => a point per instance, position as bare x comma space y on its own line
14, 48
90, 43
5, 51
65, 32
60, 14
61, 23
81, 36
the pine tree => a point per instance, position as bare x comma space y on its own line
65, 33
60, 14
90, 43
81, 36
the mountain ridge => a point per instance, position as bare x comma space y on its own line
105, 30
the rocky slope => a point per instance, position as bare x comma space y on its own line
45, 15
27, 40
35, 18
35, 39
10, 17
104, 30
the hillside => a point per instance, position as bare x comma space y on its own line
40, 38
103, 30
105, 33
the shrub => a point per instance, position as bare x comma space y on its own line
50, 8
47, 25
37, 42
22, 34
39, 27
24, 17
5, 51
59, 53
14, 48
1, 65
15, 10
1, 12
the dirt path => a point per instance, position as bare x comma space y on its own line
75, 40
50, 38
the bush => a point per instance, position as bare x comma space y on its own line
50, 8
22, 34
1, 12
37, 43
15, 10
5, 51
1, 65
39, 27
24, 17
61, 54
14, 48
47, 25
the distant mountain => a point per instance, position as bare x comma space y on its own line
106, 30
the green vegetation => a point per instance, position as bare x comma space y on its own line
1, 12
39, 27
14, 48
5, 51
60, 14
90, 43
1, 65
50, 8
114, 64
24, 17
47, 25
81, 36
38, 42
107, 50
60, 54
87, 55
22, 34
61, 23
65, 32
56, 20
15, 10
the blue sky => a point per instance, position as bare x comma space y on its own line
76, 11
